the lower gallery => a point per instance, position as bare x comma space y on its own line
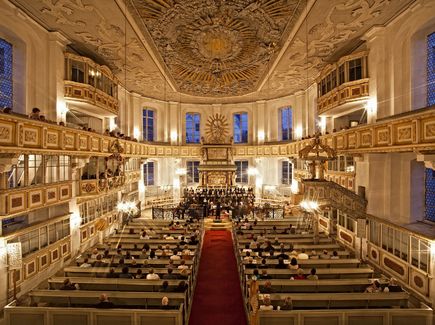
178, 162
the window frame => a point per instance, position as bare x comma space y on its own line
242, 176
195, 137
146, 124
288, 134
192, 175
242, 135
146, 173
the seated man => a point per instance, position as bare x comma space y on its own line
85, 263
165, 303
152, 276
170, 275
67, 285
288, 304
104, 302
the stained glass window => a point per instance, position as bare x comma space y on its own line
193, 121
430, 194
286, 124
240, 127
192, 172
6, 82
148, 118
242, 171
148, 173
431, 69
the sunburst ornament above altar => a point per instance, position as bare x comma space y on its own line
217, 129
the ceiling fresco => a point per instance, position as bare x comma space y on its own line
213, 51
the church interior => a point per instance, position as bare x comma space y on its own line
175, 162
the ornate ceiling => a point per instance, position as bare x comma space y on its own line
216, 47
213, 51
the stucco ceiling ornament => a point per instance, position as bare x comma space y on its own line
216, 48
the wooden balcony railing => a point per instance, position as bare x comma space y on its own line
409, 132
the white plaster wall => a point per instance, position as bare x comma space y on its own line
397, 60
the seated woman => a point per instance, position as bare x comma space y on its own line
300, 275
293, 264
374, 287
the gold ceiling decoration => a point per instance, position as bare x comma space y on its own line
216, 47
217, 129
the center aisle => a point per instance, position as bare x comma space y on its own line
218, 297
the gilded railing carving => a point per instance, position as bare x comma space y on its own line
413, 132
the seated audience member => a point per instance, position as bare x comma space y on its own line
7, 110
125, 274
288, 304
263, 264
153, 255
335, 255
313, 275
325, 255
104, 302
144, 236
152, 276
374, 287
164, 287
283, 255
143, 254
247, 257
121, 262
184, 273
99, 262
300, 275
267, 288
175, 256
181, 287
170, 275
281, 264
135, 264
267, 303
67, 285
35, 113
183, 265
393, 286
247, 249
170, 265
85, 263
264, 275
293, 264
314, 255
165, 303
302, 255
112, 274
94, 253
139, 274
250, 264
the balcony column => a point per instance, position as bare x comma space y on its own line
56, 110
262, 133
175, 122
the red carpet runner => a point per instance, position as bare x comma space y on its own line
218, 298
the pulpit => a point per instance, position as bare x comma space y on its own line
217, 168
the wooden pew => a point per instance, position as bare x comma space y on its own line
160, 262
287, 241
342, 300
308, 247
336, 285
82, 298
319, 263
323, 273
103, 284
341, 253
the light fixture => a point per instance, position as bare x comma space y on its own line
252, 171
174, 136
136, 133
294, 187
176, 183
128, 207
298, 132
309, 205
260, 136
322, 124
181, 171
371, 106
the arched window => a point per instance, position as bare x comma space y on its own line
193, 121
286, 124
6, 81
240, 127
148, 121
431, 69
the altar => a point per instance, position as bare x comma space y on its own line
217, 168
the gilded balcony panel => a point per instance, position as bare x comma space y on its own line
20, 200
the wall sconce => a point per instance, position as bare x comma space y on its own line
371, 106
174, 136
298, 132
258, 182
252, 171
294, 187
260, 136
136, 133
181, 171
309, 205
176, 183
322, 124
